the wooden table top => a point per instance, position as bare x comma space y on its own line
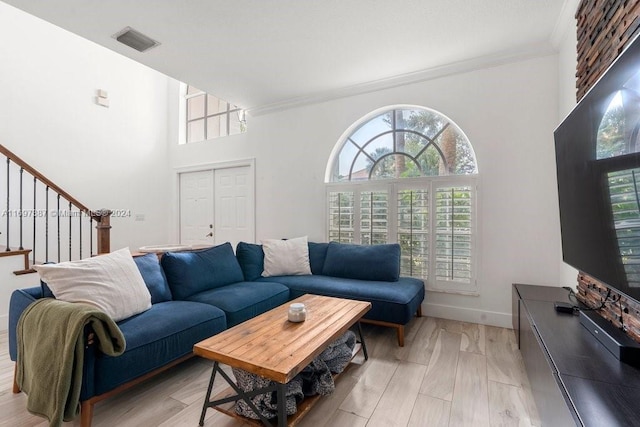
272, 347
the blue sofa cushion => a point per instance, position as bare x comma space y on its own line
251, 259
242, 301
153, 277
191, 272
376, 262
395, 302
165, 332
317, 255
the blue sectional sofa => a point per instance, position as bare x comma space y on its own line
198, 294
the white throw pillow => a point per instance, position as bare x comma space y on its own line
110, 282
286, 257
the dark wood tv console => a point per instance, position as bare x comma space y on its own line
574, 378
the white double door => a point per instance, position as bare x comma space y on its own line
217, 206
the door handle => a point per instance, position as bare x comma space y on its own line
210, 234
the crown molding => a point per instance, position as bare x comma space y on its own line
567, 14
489, 61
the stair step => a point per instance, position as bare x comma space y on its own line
22, 272
18, 252
4, 252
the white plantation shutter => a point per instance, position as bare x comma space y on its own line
454, 214
341, 216
374, 211
413, 232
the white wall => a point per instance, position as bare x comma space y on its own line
115, 158
508, 112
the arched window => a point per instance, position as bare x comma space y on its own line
401, 143
408, 175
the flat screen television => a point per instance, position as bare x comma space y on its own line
598, 166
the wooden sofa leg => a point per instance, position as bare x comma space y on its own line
400, 329
86, 413
16, 388
419, 313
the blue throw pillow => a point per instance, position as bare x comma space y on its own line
317, 255
189, 273
153, 277
251, 259
376, 262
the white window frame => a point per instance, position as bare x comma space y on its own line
224, 115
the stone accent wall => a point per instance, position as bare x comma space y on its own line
604, 29
624, 313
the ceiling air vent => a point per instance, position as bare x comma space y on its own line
135, 39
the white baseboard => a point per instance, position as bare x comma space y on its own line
483, 317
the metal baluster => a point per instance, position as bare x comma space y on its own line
33, 249
70, 231
80, 233
8, 212
21, 212
58, 215
90, 235
453, 213
46, 225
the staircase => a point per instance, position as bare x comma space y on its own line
39, 214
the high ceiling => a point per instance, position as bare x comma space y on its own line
267, 54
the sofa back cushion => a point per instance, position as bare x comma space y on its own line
251, 259
376, 262
189, 273
153, 277
317, 255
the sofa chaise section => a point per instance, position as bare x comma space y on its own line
367, 273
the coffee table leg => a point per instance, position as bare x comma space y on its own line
364, 345
206, 399
282, 404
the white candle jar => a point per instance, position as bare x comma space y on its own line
297, 312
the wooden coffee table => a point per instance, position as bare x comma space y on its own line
272, 347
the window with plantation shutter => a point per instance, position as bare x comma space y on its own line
341, 217
453, 236
413, 232
374, 217
407, 175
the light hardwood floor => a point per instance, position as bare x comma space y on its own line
448, 374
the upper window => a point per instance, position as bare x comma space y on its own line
408, 176
403, 143
209, 117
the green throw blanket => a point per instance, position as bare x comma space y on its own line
51, 346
